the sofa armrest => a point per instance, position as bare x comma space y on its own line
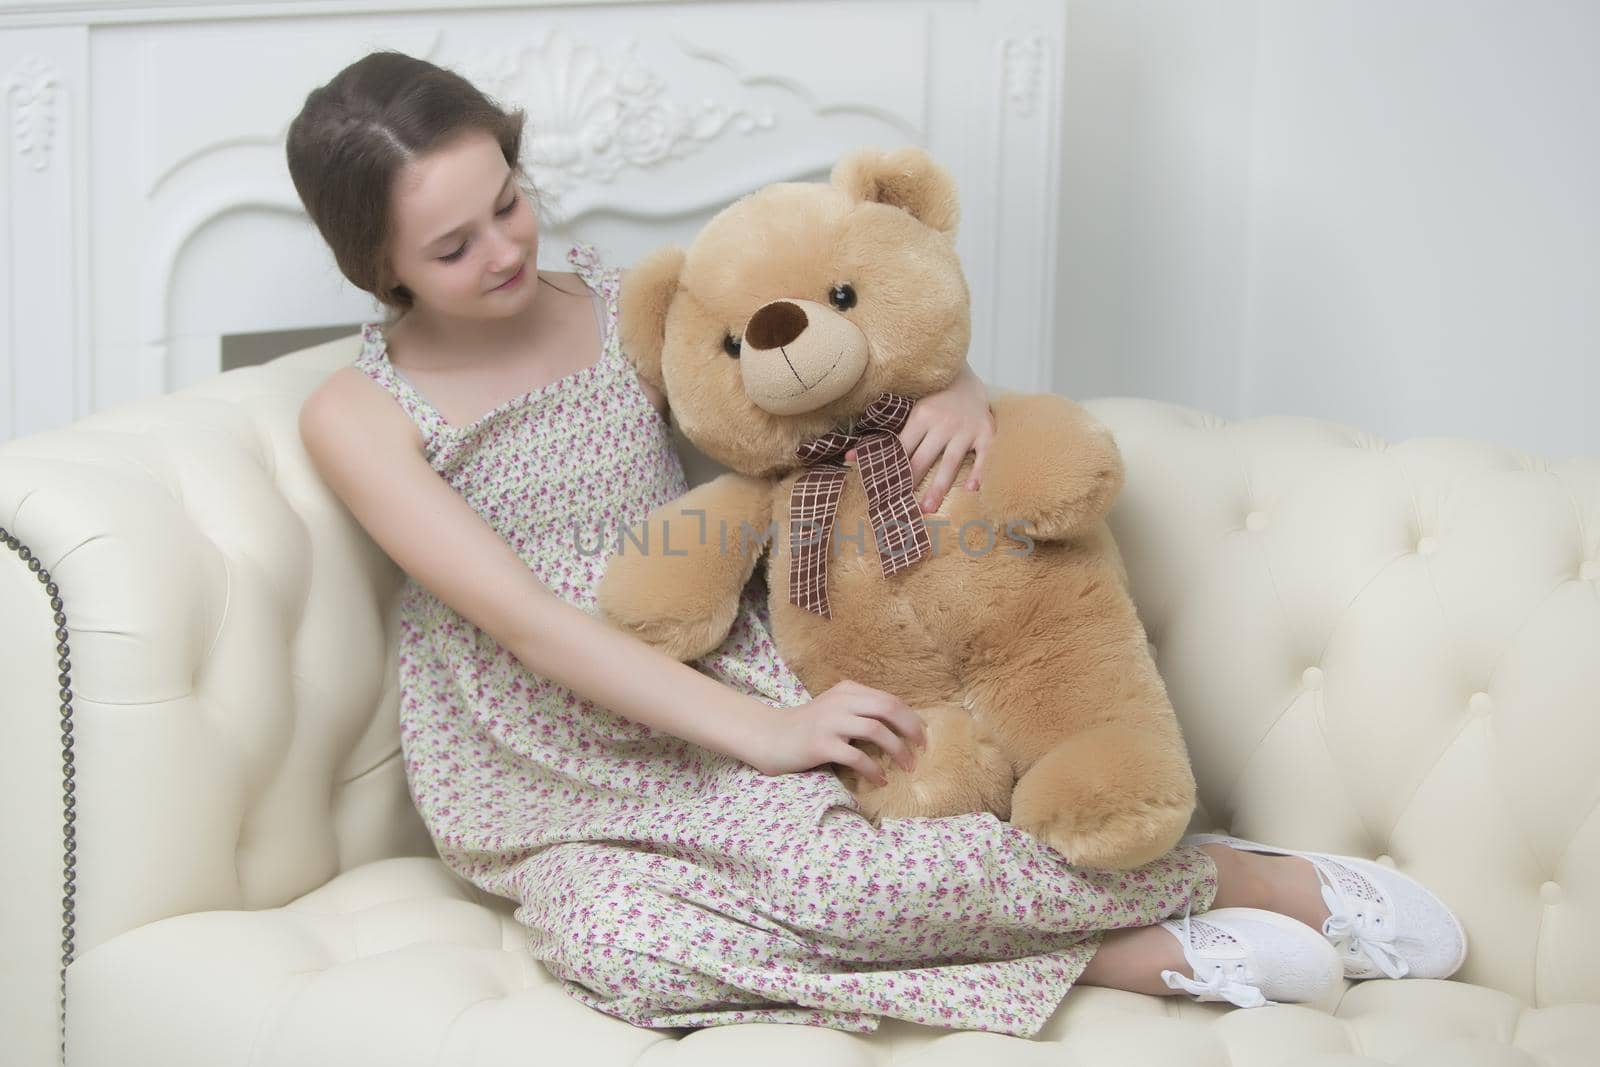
231, 637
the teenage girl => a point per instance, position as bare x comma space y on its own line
679, 849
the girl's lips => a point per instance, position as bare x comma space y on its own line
513, 280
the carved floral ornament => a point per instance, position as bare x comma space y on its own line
589, 115
30, 94
1024, 70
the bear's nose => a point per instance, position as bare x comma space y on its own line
775, 325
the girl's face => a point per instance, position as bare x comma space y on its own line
462, 227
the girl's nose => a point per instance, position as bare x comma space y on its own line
507, 253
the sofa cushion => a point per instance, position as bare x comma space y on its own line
400, 962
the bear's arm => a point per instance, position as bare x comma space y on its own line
1053, 468
675, 580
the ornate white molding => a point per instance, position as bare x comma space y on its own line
44, 338
795, 87
590, 115
162, 166
166, 248
92, 12
30, 92
1024, 63
1026, 179
645, 129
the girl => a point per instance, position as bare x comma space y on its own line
681, 854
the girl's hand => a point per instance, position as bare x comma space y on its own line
808, 735
952, 422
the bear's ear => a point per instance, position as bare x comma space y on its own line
647, 291
906, 178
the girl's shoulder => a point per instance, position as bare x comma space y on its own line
568, 281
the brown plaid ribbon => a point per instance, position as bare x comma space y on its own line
891, 500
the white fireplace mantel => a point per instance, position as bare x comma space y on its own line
148, 211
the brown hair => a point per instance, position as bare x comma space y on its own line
353, 136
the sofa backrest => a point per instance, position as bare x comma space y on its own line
1375, 649
1385, 650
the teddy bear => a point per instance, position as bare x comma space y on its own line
799, 326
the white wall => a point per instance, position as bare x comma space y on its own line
143, 226
1382, 213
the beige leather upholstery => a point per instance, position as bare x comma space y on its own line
1381, 649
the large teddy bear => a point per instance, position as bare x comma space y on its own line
802, 322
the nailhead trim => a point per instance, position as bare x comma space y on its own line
69, 814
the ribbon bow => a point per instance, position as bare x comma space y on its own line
891, 500
1219, 985
1358, 933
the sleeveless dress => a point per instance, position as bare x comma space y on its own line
670, 885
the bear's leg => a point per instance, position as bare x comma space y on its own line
1062, 675
962, 770
1113, 796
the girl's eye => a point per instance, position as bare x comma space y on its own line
453, 256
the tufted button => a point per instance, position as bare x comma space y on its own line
1312, 678
1550, 893
1256, 520
1480, 704
1590, 571
1427, 546
1386, 860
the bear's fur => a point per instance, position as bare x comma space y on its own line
1016, 641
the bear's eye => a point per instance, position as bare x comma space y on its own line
730, 345
843, 297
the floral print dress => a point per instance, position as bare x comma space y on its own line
670, 885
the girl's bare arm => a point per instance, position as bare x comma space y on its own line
370, 454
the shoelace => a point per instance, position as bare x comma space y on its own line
1220, 985
1360, 933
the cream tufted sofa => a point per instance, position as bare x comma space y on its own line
1384, 649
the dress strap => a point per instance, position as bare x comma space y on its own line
586, 261
374, 363
601, 313
606, 282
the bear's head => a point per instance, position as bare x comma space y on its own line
799, 304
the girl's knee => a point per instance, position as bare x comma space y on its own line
639, 987
610, 971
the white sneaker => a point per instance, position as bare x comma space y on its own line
1250, 957
1382, 922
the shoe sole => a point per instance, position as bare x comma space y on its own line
1358, 862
